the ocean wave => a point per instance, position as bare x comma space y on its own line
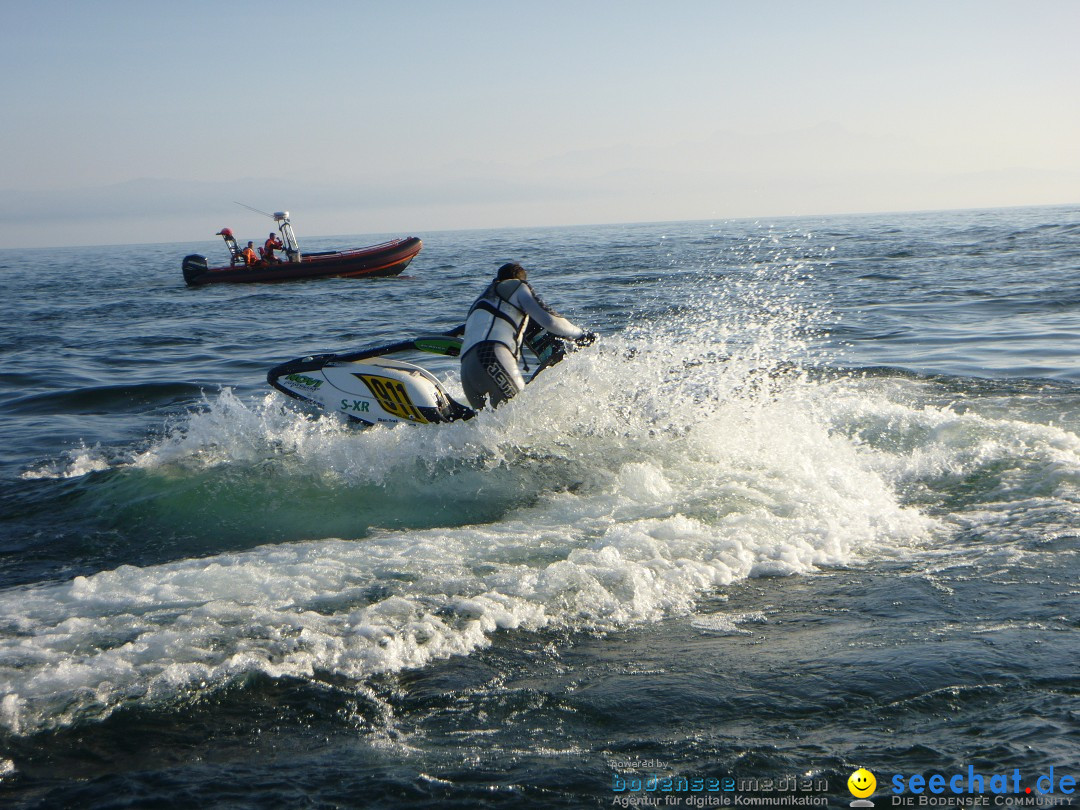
654, 472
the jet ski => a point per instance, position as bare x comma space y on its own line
371, 387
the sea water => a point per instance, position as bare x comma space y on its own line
809, 505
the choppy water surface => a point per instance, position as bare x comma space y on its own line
809, 505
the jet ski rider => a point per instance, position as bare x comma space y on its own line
494, 332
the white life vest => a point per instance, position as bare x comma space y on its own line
502, 313
493, 318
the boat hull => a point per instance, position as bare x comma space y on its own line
387, 259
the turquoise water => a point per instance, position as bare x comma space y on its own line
809, 505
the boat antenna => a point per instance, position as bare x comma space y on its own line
256, 210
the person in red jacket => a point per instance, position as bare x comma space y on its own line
272, 244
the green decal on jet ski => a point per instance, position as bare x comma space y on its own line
356, 405
304, 382
439, 345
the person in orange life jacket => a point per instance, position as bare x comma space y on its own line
494, 331
250, 259
272, 244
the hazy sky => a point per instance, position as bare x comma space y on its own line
144, 121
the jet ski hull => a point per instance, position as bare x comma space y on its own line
376, 390
369, 387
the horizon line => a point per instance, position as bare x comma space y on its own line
886, 212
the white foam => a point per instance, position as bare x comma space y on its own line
668, 509
1028, 472
672, 473
727, 624
75, 464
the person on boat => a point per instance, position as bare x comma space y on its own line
272, 244
250, 257
494, 332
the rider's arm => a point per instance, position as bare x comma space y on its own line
525, 299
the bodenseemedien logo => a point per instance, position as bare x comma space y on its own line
862, 785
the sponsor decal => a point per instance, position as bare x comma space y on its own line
302, 381
448, 346
506, 385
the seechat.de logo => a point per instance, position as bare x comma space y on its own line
862, 784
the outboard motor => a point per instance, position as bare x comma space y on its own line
194, 266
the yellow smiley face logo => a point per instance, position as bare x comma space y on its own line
861, 783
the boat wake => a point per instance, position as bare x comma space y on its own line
622, 486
